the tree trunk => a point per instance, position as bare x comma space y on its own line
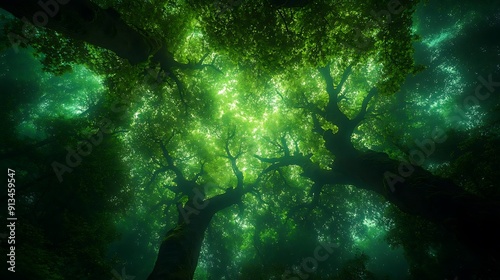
416, 191
85, 21
412, 189
179, 251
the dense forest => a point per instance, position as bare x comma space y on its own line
236, 139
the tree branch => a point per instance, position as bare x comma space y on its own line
284, 146
170, 162
232, 160
198, 65
317, 126
155, 174
332, 112
199, 174
362, 113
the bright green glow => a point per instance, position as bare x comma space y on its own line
441, 37
371, 233
452, 87
369, 223
65, 96
449, 33
262, 110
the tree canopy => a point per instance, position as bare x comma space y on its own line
285, 139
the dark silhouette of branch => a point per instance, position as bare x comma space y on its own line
170, 162
183, 184
232, 159
339, 143
284, 146
201, 173
155, 175
168, 65
362, 113
311, 107
332, 112
284, 21
316, 125
310, 169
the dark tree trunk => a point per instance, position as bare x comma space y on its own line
179, 251
416, 191
83, 20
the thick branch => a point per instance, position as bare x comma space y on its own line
313, 108
170, 163
155, 174
277, 163
362, 113
317, 126
232, 160
230, 197
168, 63
310, 169
339, 143
183, 185
85, 21
199, 174
284, 146
332, 112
